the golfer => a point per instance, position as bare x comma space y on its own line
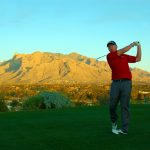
121, 83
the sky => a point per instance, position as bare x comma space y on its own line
81, 26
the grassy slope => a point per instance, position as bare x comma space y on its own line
82, 128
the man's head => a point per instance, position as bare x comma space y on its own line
112, 46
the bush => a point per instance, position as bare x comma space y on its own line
103, 99
79, 103
3, 106
33, 103
14, 103
55, 100
46, 100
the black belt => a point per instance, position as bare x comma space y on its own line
124, 79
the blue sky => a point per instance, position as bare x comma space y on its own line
82, 26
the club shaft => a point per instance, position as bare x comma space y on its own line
101, 56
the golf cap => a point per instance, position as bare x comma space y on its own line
111, 43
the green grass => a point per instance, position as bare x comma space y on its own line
81, 128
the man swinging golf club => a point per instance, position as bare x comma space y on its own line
121, 83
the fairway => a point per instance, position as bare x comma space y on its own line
80, 128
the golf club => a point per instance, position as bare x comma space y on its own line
100, 57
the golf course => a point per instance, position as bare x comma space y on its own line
78, 128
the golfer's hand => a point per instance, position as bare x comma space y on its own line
136, 43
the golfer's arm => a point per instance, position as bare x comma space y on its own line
125, 49
139, 53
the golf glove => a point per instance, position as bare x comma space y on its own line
136, 43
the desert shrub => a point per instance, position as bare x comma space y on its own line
46, 100
79, 103
103, 99
55, 100
33, 103
3, 106
14, 103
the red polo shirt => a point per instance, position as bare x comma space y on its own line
119, 65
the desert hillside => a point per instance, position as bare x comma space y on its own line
44, 67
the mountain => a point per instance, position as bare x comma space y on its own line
44, 67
